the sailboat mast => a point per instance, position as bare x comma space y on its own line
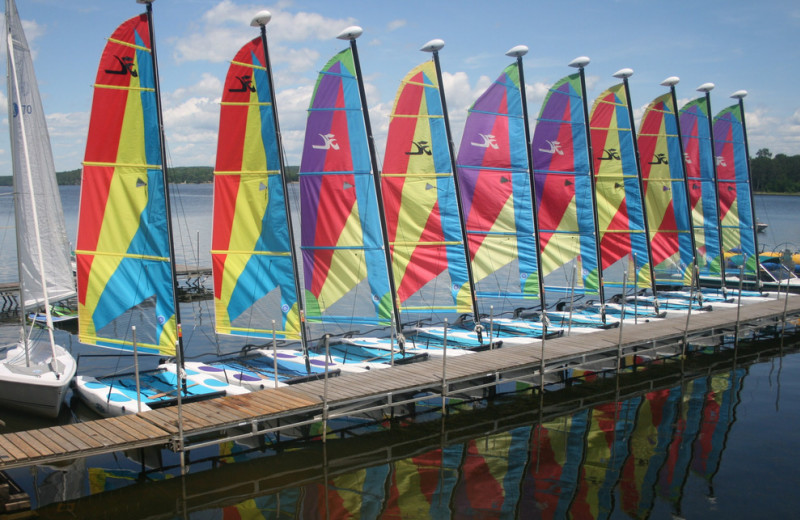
518, 52
261, 20
625, 74
739, 95
14, 95
706, 89
164, 174
671, 82
581, 63
433, 47
351, 34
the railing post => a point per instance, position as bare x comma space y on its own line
622, 318
325, 391
274, 355
444, 369
136, 370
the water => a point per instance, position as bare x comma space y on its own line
717, 446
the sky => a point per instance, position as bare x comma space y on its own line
734, 44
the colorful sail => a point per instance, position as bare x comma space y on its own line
620, 211
733, 184
251, 250
562, 177
419, 196
495, 187
702, 184
664, 186
123, 249
341, 241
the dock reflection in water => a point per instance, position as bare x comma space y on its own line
646, 445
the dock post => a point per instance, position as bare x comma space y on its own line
689, 313
274, 355
572, 297
491, 327
444, 369
739, 302
326, 339
136, 370
541, 360
622, 318
181, 376
785, 305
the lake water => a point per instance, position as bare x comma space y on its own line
718, 441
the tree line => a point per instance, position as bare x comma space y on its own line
778, 174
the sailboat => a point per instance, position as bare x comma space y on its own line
664, 183
345, 258
494, 172
125, 255
623, 229
427, 236
34, 374
738, 224
564, 177
493, 168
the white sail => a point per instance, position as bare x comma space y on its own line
37, 201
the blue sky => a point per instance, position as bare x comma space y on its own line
735, 44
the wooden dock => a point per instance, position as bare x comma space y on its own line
236, 417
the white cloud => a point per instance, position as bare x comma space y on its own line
225, 28
396, 24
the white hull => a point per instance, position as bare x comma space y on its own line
35, 389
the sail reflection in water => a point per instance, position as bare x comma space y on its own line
620, 456
633, 456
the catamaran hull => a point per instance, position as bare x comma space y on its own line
36, 390
115, 396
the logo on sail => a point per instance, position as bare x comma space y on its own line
422, 148
125, 67
329, 143
246, 83
721, 161
611, 154
488, 142
555, 148
659, 158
